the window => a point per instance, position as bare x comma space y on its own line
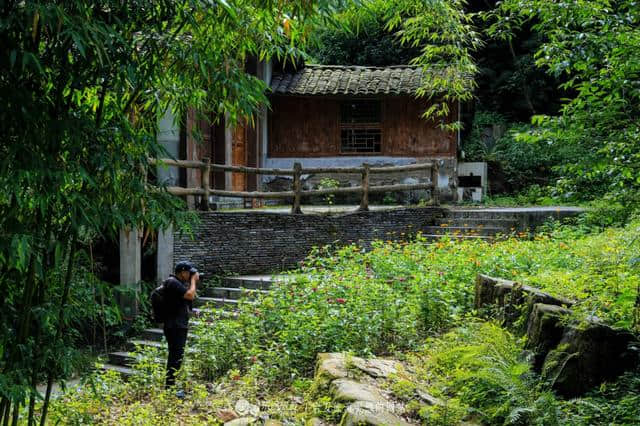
360, 127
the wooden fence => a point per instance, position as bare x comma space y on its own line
297, 193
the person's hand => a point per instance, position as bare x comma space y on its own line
195, 277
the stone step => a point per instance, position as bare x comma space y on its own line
154, 334
215, 302
127, 359
480, 214
234, 293
255, 282
133, 343
123, 371
435, 237
470, 221
464, 230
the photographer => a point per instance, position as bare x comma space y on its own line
180, 290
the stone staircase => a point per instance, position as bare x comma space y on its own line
473, 224
226, 296
455, 223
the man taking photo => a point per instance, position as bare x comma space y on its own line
180, 290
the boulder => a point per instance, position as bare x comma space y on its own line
505, 298
345, 390
544, 331
428, 398
336, 366
331, 366
377, 367
244, 407
226, 415
242, 421
586, 356
370, 413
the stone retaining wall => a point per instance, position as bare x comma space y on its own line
253, 242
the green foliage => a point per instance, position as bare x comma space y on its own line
329, 183
359, 35
591, 44
83, 85
524, 166
391, 297
437, 36
480, 365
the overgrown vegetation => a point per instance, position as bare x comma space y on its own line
387, 301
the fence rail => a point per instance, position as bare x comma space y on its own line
297, 192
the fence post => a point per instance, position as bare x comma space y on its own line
435, 191
297, 188
205, 174
364, 202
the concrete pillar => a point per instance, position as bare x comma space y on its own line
165, 254
169, 138
130, 270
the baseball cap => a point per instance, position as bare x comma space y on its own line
185, 266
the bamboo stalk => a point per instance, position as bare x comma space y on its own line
63, 302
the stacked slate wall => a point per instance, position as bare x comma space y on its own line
254, 242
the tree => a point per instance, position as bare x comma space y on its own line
82, 85
593, 46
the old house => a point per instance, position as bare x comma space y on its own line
323, 115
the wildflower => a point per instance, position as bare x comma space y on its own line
340, 300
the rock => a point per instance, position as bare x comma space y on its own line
244, 407
242, 421
377, 367
507, 296
336, 366
370, 413
491, 291
315, 421
226, 415
588, 355
428, 398
544, 331
272, 422
331, 366
345, 390
296, 399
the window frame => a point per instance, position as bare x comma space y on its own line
361, 126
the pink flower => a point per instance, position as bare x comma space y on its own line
340, 300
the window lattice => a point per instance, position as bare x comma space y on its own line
360, 127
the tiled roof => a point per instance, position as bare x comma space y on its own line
349, 80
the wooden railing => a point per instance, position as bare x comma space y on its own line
297, 192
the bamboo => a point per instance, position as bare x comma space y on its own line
297, 188
63, 302
364, 202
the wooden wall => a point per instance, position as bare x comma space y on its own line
309, 127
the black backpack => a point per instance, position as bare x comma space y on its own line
159, 303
